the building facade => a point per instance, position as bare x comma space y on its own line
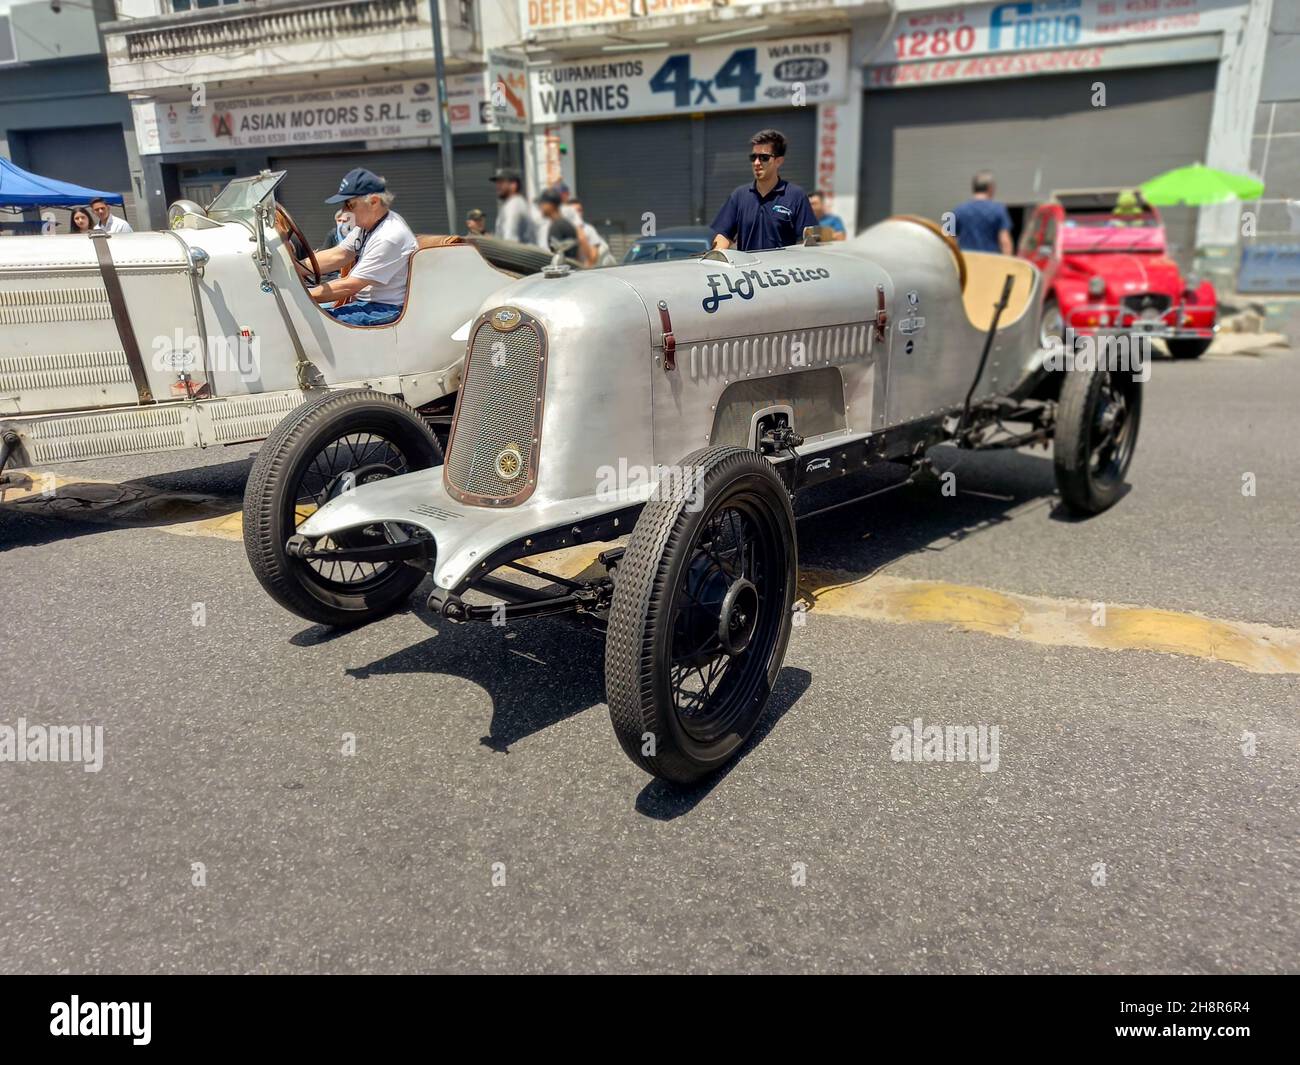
311, 87
58, 115
646, 107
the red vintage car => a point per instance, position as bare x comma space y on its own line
1106, 272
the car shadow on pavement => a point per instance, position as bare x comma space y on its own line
35, 513
537, 673
663, 801
987, 489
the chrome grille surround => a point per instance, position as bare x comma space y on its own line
499, 410
1147, 304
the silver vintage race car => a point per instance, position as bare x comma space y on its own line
682, 405
205, 335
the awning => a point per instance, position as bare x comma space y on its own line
18, 188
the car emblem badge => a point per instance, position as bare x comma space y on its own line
506, 319
913, 297
509, 463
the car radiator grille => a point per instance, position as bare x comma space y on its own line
1147, 304
492, 460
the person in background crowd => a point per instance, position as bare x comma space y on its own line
378, 248
983, 224
566, 202
604, 257
824, 218
514, 220
770, 213
339, 230
80, 221
560, 230
476, 223
108, 221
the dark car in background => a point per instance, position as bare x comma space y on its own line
677, 242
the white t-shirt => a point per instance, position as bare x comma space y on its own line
115, 225
383, 258
514, 221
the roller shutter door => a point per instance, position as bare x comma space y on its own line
920, 146
92, 156
618, 183
625, 169
414, 175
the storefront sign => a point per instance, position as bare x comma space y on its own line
391, 110
1030, 26
508, 91
794, 71
538, 16
1058, 61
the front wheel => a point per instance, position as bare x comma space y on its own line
1097, 422
1189, 348
321, 450
701, 614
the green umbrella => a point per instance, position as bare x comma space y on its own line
1197, 185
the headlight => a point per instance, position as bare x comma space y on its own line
1096, 288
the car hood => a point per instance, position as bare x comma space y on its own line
1131, 272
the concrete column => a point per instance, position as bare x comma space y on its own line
1232, 122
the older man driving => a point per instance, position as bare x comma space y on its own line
378, 249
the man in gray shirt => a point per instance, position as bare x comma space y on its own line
514, 218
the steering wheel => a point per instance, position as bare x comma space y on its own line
285, 224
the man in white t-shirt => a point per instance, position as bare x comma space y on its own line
106, 220
378, 249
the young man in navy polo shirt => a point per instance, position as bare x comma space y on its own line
770, 213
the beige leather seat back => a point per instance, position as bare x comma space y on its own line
985, 274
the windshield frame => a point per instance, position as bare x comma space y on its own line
243, 196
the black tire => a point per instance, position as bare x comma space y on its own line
383, 437
1097, 422
726, 548
1190, 348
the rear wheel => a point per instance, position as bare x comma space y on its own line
1189, 348
701, 614
1097, 422
321, 450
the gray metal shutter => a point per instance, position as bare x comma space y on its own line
726, 150
628, 168
93, 156
920, 146
414, 175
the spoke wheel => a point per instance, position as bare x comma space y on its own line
701, 616
1097, 423
322, 450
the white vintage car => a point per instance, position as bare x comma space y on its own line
205, 335
682, 405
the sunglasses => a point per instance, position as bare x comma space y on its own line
759, 157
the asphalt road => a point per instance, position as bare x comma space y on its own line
483, 752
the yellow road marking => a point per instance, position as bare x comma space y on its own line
878, 597
1058, 622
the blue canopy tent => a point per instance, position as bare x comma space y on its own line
18, 188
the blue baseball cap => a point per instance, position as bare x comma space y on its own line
358, 182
